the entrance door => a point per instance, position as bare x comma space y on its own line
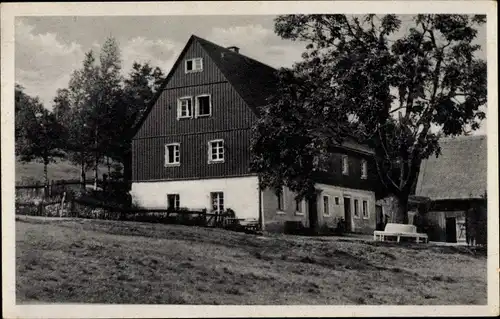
451, 230
347, 214
312, 211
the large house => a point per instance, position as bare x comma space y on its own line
192, 148
456, 185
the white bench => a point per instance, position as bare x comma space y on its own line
398, 231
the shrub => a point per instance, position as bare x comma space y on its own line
341, 227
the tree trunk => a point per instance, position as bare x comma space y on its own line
83, 177
400, 207
45, 173
96, 171
109, 166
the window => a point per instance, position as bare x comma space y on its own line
364, 169
172, 154
298, 207
194, 65
203, 105
216, 151
217, 201
365, 209
173, 201
356, 208
326, 205
337, 201
345, 165
184, 107
281, 200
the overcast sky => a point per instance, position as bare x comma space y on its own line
48, 49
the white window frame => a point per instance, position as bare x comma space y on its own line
218, 160
197, 105
367, 209
179, 107
364, 169
218, 199
177, 161
355, 206
345, 165
326, 213
281, 195
302, 207
337, 200
177, 201
194, 70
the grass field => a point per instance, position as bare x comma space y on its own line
63, 169
124, 262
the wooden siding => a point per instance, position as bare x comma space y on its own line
149, 156
334, 176
210, 73
229, 111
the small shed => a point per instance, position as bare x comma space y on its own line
456, 184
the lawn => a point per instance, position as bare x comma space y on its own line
95, 261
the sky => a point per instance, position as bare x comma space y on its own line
49, 48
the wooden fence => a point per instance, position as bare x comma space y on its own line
76, 208
59, 187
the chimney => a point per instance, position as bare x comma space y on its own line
233, 48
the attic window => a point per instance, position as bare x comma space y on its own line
194, 65
203, 105
184, 107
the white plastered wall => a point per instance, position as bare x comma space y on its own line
338, 210
241, 194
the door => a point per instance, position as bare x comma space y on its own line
312, 212
347, 214
451, 230
380, 217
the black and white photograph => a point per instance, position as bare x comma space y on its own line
252, 154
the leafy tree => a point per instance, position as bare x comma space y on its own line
109, 108
398, 91
140, 87
39, 136
81, 130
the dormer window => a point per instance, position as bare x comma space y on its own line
194, 65
345, 165
364, 169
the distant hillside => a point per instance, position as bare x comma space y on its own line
32, 172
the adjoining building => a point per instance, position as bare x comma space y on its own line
456, 185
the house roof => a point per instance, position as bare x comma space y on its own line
254, 81
460, 172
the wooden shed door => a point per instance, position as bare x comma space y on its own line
451, 230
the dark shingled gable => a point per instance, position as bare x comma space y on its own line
460, 172
254, 81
